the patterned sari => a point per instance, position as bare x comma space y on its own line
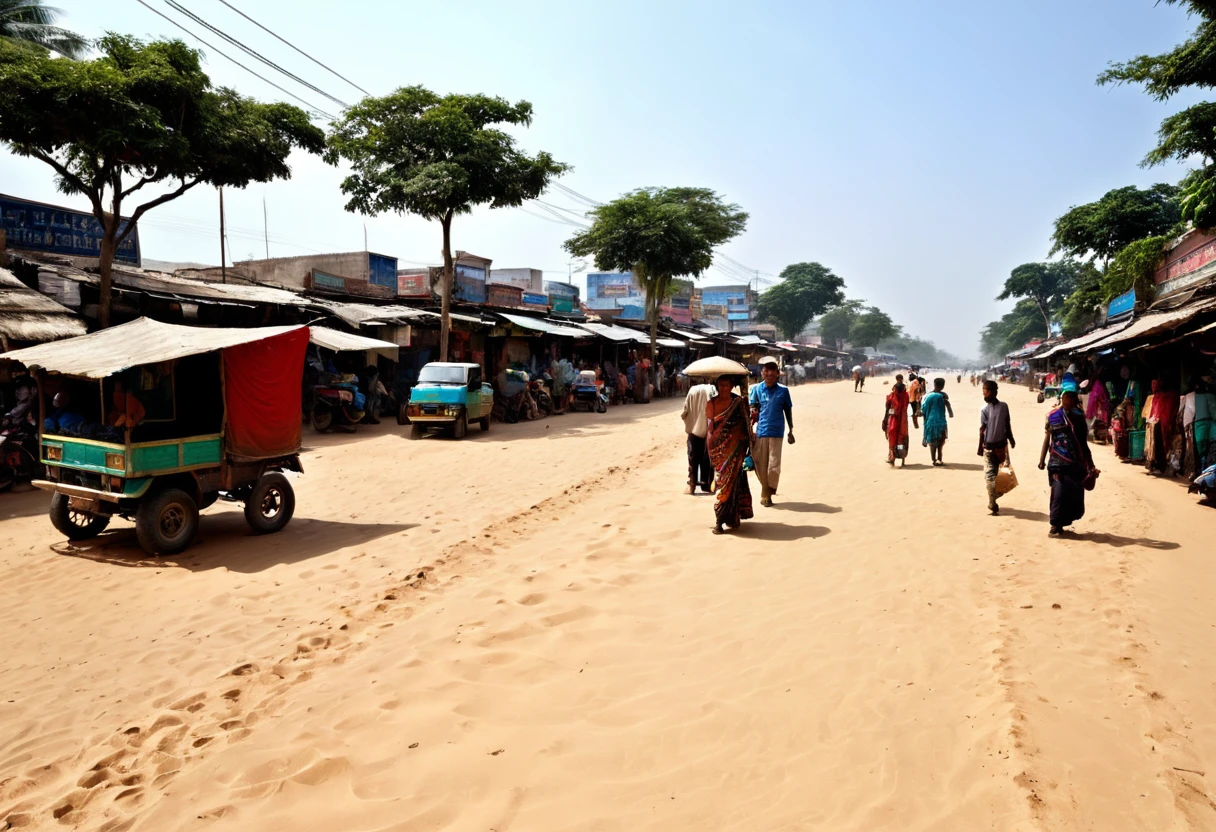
728, 446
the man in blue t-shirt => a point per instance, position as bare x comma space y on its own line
772, 408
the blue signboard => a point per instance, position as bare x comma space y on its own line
1122, 305
382, 270
609, 290
533, 299
632, 313
39, 227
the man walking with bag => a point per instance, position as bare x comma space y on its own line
996, 437
772, 408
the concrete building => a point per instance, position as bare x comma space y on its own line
732, 308
360, 273
468, 284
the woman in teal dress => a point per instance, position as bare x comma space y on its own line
934, 409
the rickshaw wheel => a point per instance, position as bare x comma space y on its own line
72, 524
322, 419
402, 416
166, 522
270, 505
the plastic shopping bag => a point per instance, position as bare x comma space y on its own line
1006, 479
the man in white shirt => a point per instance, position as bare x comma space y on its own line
700, 470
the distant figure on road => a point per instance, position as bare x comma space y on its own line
700, 471
771, 408
935, 408
1067, 440
729, 444
859, 379
996, 437
895, 421
916, 392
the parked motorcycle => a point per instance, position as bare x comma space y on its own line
337, 405
540, 395
18, 457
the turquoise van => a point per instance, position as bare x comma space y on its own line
449, 396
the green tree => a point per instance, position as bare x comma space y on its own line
1079, 308
1020, 325
1047, 284
29, 21
140, 115
659, 234
871, 327
415, 152
1190, 64
835, 324
1099, 229
1134, 268
805, 290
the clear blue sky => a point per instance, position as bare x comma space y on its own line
921, 150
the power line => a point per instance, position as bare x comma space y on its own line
178, 7
315, 110
576, 195
293, 46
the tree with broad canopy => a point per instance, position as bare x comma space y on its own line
805, 290
140, 115
659, 234
416, 152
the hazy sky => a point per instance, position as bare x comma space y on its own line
920, 150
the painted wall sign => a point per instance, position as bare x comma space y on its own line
417, 285
40, 227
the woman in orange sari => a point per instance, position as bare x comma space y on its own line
729, 443
895, 422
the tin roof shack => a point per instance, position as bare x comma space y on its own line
359, 273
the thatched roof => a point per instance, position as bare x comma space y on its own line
28, 316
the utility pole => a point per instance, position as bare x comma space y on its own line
265, 226
223, 254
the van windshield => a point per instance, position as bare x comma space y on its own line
441, 375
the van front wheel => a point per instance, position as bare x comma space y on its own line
72, 524
166, 522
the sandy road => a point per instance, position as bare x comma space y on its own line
534, 630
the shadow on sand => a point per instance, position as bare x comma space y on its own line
24, 501
778, 531
1119, 542
1023, 514
224, 540
964, 466
821, 508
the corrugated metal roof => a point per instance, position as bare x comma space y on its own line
1155, 322
338, 341
541, 325
1082, 341
142, 341
670, 342
620, 334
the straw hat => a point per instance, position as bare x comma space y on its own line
715, 366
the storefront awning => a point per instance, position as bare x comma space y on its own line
541, 325
620, 334
338, 341
1181, 337
671, 342
1083, 341
749, 340
693, 337
1155, 322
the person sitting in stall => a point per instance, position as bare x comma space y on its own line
128, 409
62, 419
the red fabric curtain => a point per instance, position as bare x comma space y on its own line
262, 383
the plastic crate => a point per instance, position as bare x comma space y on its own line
1135, 444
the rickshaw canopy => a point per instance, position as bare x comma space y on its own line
262, 372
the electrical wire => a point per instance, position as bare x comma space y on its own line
293, 46
316, 111
180, 9
576, 195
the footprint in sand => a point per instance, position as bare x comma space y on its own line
532, 599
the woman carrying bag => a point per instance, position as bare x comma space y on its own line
1070, 469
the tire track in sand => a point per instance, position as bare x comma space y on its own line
109, 785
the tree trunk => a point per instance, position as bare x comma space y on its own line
105, 262
445, 309
1046, 317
